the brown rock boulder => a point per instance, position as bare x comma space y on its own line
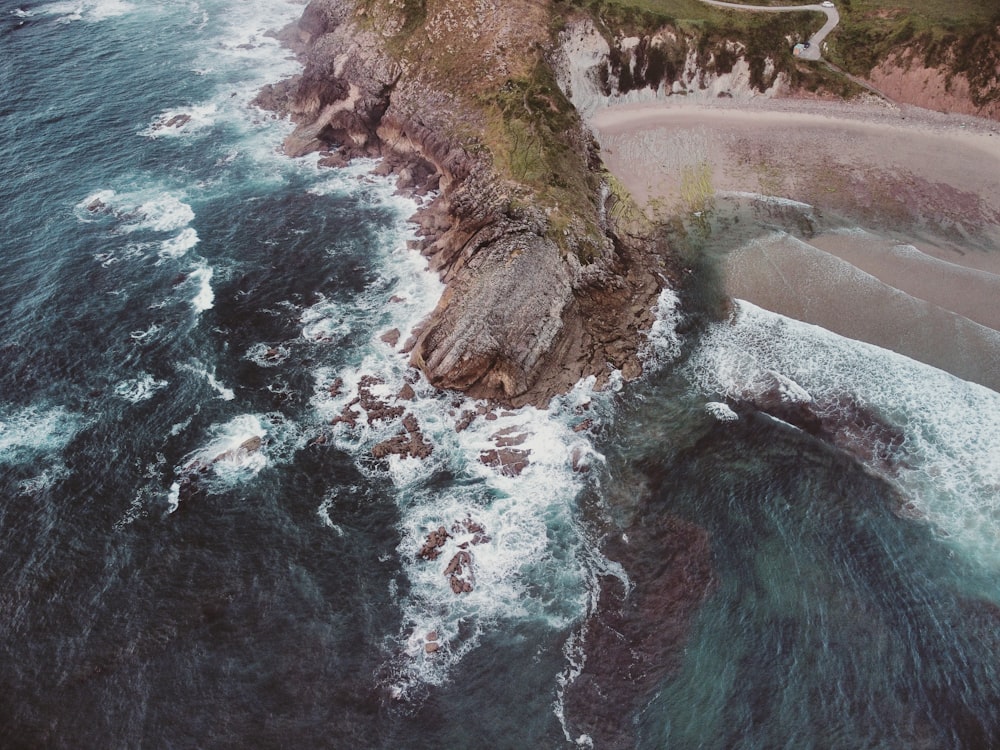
508, 461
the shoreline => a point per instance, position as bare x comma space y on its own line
898, 210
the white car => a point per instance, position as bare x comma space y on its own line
826, 4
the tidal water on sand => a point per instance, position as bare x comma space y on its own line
201, 549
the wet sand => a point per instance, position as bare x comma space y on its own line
912, 260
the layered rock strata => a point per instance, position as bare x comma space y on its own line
524, 315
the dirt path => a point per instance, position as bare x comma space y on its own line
812, 51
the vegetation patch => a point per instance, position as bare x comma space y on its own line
961, 37
696, 188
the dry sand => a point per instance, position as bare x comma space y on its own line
925, 281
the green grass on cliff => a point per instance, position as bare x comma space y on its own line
960, 36
534, 136
963, 36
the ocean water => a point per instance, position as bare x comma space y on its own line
195, 556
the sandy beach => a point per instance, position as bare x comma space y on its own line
899, 243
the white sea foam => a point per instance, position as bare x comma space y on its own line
223, 451
177, 246
143, 336
164, 213
225, 393
237, 451
324, 512
151, 209
773, 200
204, 298
174, 497
29, 431
324, 321
663, 344
721, 412
182, 121
44, 481
950, 457
141, 388
85, 10
266, 355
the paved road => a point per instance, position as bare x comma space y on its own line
810, 53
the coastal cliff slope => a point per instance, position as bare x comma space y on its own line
543, 286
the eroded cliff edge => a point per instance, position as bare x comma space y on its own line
548, 279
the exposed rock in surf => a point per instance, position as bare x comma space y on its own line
459, 570
376, 409
509, 436
391, 337
336, 387
406, 393
634, 639
247, 448
468, 526
586, 424
187, 484
348, 415
508, 461
435, 541
465, 420
177, 121
408, 443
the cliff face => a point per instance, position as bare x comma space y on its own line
905, 77
539, 294
597, 72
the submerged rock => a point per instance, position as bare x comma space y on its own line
634, 638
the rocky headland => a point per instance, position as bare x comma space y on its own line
545, 284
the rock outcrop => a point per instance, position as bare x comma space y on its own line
530, 306
459, 571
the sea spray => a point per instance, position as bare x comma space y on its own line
948, 465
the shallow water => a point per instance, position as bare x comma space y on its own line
170, 293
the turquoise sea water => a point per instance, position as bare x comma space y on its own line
169, 292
